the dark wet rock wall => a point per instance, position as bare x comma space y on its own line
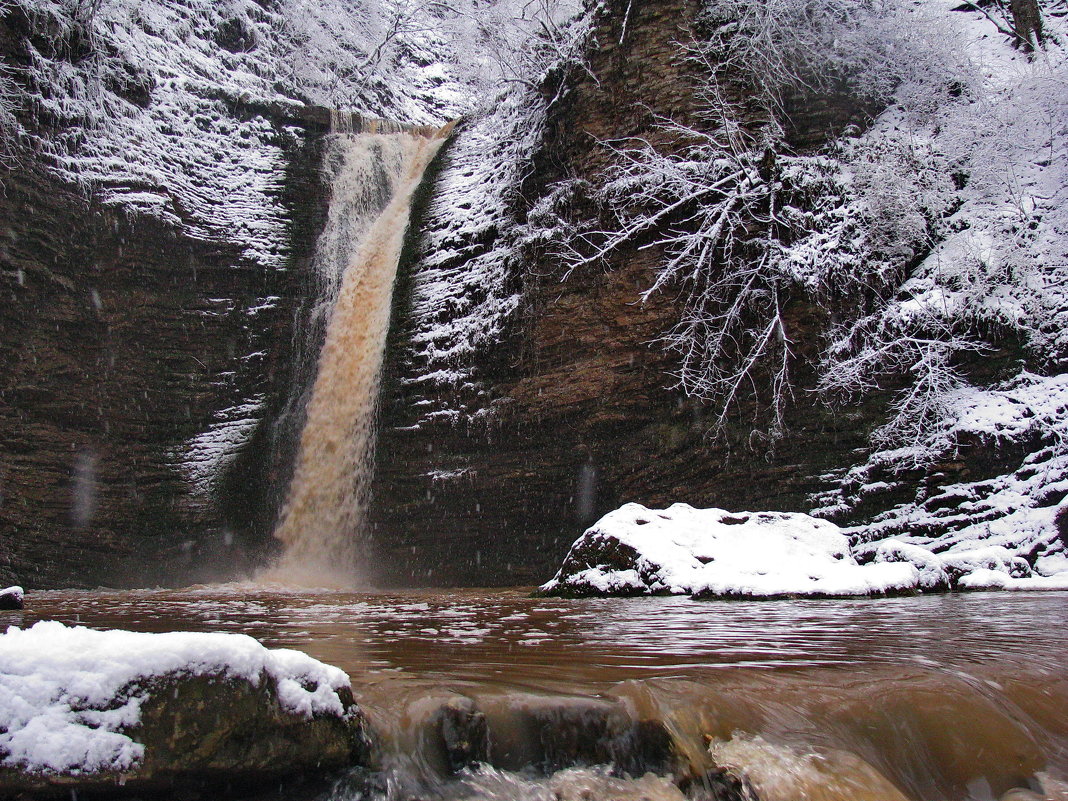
574, 413
121, 339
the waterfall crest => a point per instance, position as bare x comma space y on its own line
320, 526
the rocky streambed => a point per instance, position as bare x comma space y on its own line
481, 694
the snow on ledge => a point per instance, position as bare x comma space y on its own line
711, 553
67, 694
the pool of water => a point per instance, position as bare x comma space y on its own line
957, 696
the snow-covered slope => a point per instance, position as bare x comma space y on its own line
1018, 510
177, 109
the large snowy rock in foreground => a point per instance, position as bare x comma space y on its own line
712, 553
85, 709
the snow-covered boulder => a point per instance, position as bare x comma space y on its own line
932, 572
89, 709
960, 561
710, 553
1051, 565
11, 598
971, 566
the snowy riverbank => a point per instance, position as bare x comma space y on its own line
711, 553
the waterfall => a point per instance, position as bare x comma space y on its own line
356, 263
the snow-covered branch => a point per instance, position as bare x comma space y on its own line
926, 238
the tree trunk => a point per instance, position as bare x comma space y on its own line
1026, 23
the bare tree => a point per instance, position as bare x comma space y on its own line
1026, 24
744, 225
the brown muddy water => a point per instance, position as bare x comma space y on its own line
491, 694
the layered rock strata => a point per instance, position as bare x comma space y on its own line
569, 411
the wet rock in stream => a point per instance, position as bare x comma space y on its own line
571, 784
772, 772
1021, 794
464, 734
517, 745
548, 734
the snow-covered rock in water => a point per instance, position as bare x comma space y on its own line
85, 709
11, 598
966, 558
710, 553
932, 572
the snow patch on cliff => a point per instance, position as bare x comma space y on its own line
177, 110
465, 284
206, 455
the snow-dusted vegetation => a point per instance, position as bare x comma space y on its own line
989, 273
932, 233
931, 229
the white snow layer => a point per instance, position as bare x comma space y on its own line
67, 694
714, 553
464, 282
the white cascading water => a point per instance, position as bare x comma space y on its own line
320, 527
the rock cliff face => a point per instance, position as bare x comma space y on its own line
571, 414
123, 339
162, 193
153, 335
